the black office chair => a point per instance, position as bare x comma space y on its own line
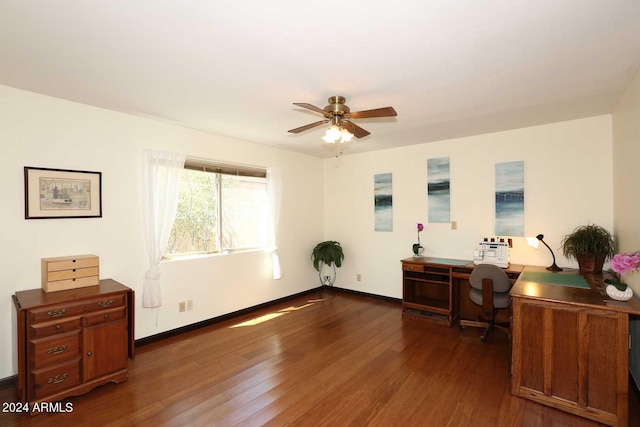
490, 287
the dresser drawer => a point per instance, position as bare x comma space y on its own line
55, 312
46, 329
111, 301
56, 349
105, 316
51, 380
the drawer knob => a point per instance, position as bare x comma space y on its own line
57, 350
58, 378
89, 354
107, 303
57, 313
106, 316
58, 327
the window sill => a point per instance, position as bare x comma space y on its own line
209, 255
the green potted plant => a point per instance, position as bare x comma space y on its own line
329, 253
590, 245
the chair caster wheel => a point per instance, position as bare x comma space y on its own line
461, 326
483, 339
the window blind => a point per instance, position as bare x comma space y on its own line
224, 168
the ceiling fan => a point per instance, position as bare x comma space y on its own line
341, 117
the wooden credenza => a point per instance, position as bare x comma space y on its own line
72, 341
570, 347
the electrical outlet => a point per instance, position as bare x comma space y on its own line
358, 277
454, 225
181, 306
189, 305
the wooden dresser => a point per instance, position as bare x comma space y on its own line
72, 341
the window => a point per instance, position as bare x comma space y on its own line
221, 208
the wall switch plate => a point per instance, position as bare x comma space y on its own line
358, 277
181, 306
454, 225
189, 305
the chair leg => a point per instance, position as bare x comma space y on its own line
488, 329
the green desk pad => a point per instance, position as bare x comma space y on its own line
448, 261
574, 280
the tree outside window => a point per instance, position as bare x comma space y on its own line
218, 212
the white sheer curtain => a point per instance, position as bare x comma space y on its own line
274, 201
161, 175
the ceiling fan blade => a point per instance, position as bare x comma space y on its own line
377, 112
311, 107
309, 126
356, 130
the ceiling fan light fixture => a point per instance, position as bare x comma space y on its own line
342, 129
332, 135
346, 136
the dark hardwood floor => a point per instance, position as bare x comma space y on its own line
325, 359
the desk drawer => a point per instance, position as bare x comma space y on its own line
418, 268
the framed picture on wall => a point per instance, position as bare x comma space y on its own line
62, 193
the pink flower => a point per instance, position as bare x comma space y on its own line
626, 262
420, 228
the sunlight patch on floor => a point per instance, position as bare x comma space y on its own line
269, 316
296, 308
258, 320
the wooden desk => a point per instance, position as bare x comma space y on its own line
570, 347
437, 289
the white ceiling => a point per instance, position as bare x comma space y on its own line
449, 67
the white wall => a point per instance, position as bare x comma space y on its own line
41, 131
626, 184
568, 182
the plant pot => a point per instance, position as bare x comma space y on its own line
418, 250
591, 263
616, 294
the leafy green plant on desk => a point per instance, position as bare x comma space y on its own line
591, 245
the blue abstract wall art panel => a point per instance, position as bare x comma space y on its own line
383, 202
510, 199
438, 189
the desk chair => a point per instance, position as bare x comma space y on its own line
489, 289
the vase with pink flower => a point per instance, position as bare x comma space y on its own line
418, 250
622, 263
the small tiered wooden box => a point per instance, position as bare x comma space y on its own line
70, 272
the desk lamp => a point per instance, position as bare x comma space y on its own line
533, 241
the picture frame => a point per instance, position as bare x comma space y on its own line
62, 193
